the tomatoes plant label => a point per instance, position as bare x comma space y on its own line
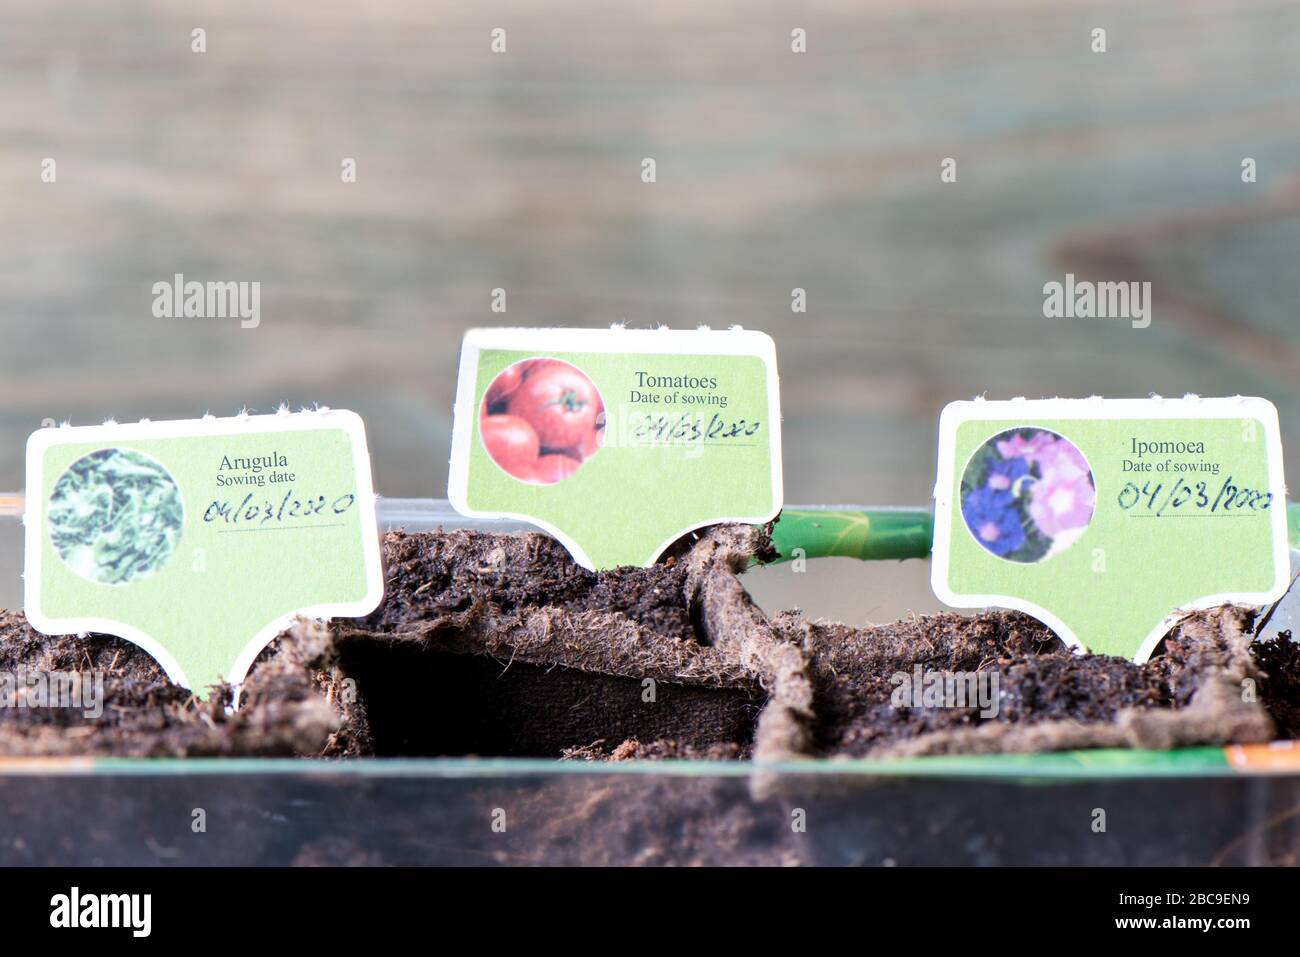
200, 540
615, 441
1107, 519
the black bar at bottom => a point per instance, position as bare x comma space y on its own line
928, 907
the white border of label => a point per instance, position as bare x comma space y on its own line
1032, 410
702, 342
33, 518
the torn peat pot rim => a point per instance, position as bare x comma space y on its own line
500, 646
496, 644
461, 603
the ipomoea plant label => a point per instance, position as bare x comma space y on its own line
1106, 519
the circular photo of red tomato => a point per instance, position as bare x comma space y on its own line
541, 419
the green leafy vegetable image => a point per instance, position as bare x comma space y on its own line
115, 516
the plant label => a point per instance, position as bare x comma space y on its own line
615, 441
200, 540
1106, 519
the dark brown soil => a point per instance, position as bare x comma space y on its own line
434, 575
1040, 679
1279, 660
844, 707
500, 645
293, 702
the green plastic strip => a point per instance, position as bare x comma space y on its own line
883, 534
876, 534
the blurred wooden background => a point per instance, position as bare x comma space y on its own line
522, 171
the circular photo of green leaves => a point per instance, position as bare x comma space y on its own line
115, 516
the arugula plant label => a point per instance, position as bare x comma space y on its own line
617, 441
1107, 518
200, 540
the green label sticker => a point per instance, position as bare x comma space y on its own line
200, 540
1107, 518
615, 441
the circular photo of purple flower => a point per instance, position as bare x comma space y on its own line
1027, 494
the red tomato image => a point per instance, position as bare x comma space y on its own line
590, 443
504, 385
541, 419
511, 442
559, 401
554, 466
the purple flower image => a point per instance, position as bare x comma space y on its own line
1003, 473
1027, 494
1017, 446
1063, 499
992, 517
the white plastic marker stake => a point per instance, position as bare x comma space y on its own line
617, 441
1107, 519
200, 540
